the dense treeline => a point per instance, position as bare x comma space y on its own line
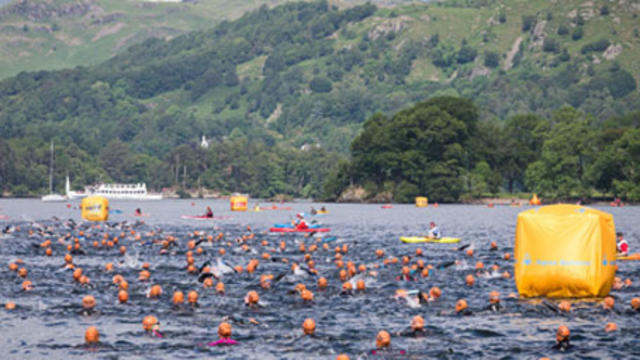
439, 148
232, 165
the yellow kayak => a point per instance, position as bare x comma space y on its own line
424, 239
635, 256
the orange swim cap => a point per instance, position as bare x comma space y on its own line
13, 266
435, 292
155, 291
92, 336
470, 280
22, 272
123, 296
124, 285
360, 285
417, 323
343, 274
342, 357
608, 303
346, 286
88, 302
252, 298
207, 283
149, 322
564, 305
506, 275
48, 252
379, 253
494, 297
144, 275
383, 339
117, 278
507, 256
425, 272
635, 303
494, 245
77, 273
611, 326
322, 283
178, 297
405, 271
10, 305
27, 285
461, 305
419, 252
146, 265
470, 252
220, 288
123, 249
362, 268
306, 295
309, 326
192, 297
108, 267
562, 333
224, 330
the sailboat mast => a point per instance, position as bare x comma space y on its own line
51, 170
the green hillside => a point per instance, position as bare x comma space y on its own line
307, 74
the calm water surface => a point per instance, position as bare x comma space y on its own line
49, 322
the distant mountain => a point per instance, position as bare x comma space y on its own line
46, 35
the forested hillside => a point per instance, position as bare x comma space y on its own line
310, 74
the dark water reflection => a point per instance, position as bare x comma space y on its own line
49, 322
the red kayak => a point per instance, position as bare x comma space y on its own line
386, 206
294, 230
202, 217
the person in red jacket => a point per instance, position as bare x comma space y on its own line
622, 245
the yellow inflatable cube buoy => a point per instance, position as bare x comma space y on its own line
239, 202
565, 251
422, 201
95, 208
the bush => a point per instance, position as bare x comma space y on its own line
577, 34
550, 45
604, 11
563, 30
321, 85
502, 18
528, 22
491, 59
466, 54
596, 46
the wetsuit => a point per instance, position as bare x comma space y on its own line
563, 345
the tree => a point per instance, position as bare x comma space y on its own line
528, 22
320, 85
560, 173
520, 145
491, 59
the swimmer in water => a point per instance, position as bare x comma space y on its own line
224, 333
152, 326
138, 212
562, 339
622, 246
416, 329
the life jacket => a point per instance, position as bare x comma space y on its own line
623, 246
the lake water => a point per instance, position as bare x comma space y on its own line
49, 322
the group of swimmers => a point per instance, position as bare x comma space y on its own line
352, 278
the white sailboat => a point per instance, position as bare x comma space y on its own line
51, 197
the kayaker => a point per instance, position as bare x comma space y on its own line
313, 211
209, 213
434, 232
622, 245
301, 223
138, 212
